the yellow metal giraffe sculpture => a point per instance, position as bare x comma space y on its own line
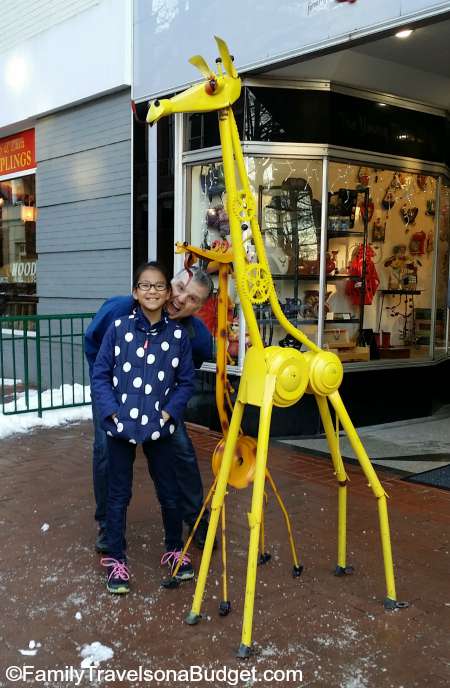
271, 375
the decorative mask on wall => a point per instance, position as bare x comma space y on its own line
408, 214
422, 180
388, 201
378, 230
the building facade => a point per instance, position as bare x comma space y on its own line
345, 132
66, 214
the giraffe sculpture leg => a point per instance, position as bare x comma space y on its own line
216, 507
297, 568
390, 601
341, 476
255, 515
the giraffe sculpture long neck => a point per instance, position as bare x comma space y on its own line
241, 210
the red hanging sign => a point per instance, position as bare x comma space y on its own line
17, 152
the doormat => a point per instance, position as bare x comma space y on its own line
437, 477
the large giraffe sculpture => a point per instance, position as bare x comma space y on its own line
271, 375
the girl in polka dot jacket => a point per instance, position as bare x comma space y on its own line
142, 379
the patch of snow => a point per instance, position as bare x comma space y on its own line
78, 616
33, 647
44, 527
95, 653
9, 382
20, 423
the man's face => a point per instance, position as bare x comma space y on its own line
188, 296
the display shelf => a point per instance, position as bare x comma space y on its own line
346, 233
294, 321
291, 226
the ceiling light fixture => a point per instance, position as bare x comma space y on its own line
405, 33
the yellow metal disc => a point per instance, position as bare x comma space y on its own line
243, 463
291, 369
325, 372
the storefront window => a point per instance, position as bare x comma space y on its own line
380, 261
289, 213
440, 338
289, 210
18, 246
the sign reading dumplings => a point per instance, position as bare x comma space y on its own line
17, 153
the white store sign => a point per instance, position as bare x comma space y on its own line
168, 32
24, 271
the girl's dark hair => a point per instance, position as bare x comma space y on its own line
152, 265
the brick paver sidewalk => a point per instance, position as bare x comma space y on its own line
334, 629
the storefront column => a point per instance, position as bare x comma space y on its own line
179, 190
152, 193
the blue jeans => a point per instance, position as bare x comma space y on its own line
121, 457
99, 468
178, 447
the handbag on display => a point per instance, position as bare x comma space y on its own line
217, 218
278, 260
212, 180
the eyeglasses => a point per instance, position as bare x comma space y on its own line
146, 286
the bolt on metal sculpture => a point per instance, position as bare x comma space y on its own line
271, 375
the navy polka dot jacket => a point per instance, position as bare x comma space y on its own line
141, 370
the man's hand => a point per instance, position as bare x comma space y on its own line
165, 416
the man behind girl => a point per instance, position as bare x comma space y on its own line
142, 379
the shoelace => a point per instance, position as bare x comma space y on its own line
118, 568
172, 559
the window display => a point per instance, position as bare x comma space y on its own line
18, 246
397, 219
442, 276
378, 257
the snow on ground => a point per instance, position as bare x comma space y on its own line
95, 653
19, 423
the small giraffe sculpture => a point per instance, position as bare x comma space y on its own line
271, 375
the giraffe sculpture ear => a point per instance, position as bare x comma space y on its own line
227, 59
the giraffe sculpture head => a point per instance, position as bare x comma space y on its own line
217, 91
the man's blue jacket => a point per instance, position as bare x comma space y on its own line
118, 306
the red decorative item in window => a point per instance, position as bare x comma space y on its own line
372, 281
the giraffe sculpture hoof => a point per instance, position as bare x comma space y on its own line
343, 570
192, 618
391, 605
244, 651
264, 557
224, 608
171, 582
